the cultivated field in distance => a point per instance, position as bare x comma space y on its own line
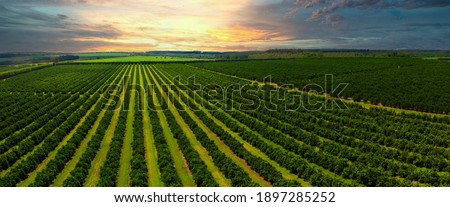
222, 123
144, 59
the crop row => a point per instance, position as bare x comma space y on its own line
287, 159
79, 174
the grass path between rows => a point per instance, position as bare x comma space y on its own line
151, 155
123, 179
253, 150
97, 163
51, 155
262, 138
363, 104
179, 161
366, 105
21, 159
216, 173
58, 182
221, 145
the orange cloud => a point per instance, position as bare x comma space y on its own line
173, 25
238, 33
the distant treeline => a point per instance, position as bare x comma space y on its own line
7, 55
68, 57
301, 53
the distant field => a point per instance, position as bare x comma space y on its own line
145, 59
26, 59
437, 58
104, 54
101, 55
407, 83
10, 68
23, 59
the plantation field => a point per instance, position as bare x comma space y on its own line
407, 83
9, 71
26, 59
18, 68
99, 55
145, 59
136, 124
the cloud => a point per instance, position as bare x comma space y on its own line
44, 2
292, 12
27, 29
142, 25
23, 16
437, 24
310, 3
367, 25
414, 4
326, 9
62, 16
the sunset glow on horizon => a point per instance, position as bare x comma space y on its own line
232, 25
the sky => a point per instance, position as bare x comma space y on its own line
223, 25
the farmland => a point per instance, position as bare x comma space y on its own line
407, 83
15, 60
141, 124
9, 71
144, 59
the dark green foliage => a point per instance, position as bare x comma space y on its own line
56, 165
32, 118
60, 114
169, 174
202, 176
354, 147
256, 163
80, 172
11, 73
10, 102
110, 169
324, 141
68, 119
61, 78
408, 83
139, 171
46, 176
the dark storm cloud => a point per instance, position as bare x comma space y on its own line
326, 9
62, 16
44, 2
438, 25
370, 24
413, 4
21, 40
25, 29
25, 17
